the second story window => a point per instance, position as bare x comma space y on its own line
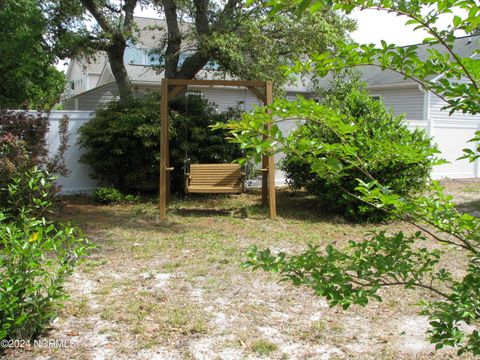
133, 55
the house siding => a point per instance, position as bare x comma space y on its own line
451, 133
223, 98
407, 101
97, 97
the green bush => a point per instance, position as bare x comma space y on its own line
122, 142
376, 127
36, 256
23, 147
107, 196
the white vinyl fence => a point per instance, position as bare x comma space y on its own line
451, 137
78, 179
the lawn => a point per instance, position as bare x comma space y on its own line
176, 290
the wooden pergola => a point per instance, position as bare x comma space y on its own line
171, 88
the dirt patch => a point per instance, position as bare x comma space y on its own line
176, 290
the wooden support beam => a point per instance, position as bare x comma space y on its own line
176, 90
164, 150
272, 201
260, 96
244, 83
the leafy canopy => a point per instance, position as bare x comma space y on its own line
28, 77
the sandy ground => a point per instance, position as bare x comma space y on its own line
175, 290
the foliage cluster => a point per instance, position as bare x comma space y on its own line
122, 142
23, 146
375, 128
356, 274
105, 196
28, 78
36, 256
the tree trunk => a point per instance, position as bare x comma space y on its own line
115, 54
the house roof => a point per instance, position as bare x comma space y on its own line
463, 46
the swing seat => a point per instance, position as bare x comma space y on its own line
214, 178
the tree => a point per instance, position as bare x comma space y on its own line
243, 41
27, 74
354, 275
115, 29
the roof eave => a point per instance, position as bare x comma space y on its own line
401, 85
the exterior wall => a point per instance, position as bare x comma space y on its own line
69, 104
92, 80
407, 101
80, 80
225, 98
95, 98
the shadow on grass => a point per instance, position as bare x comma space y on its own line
192, 212
291, 205
471, 207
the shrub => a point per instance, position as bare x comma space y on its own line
23, 147
376, 127
35, 258
122, 142
32, 129
107, 196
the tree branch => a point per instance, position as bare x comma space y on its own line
435, 34
201, 18
92, 7
129, 8
174, 39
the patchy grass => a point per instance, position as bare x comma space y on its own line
263, 347
176, 290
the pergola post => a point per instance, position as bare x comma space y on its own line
270, 160
164, 150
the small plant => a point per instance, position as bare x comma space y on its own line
36, 256
108, 195
263, 347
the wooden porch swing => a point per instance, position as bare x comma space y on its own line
212, 178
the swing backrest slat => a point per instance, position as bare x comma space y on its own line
215, 178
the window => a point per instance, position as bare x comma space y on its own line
212, 65
153, 58
133, 56
376, 97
